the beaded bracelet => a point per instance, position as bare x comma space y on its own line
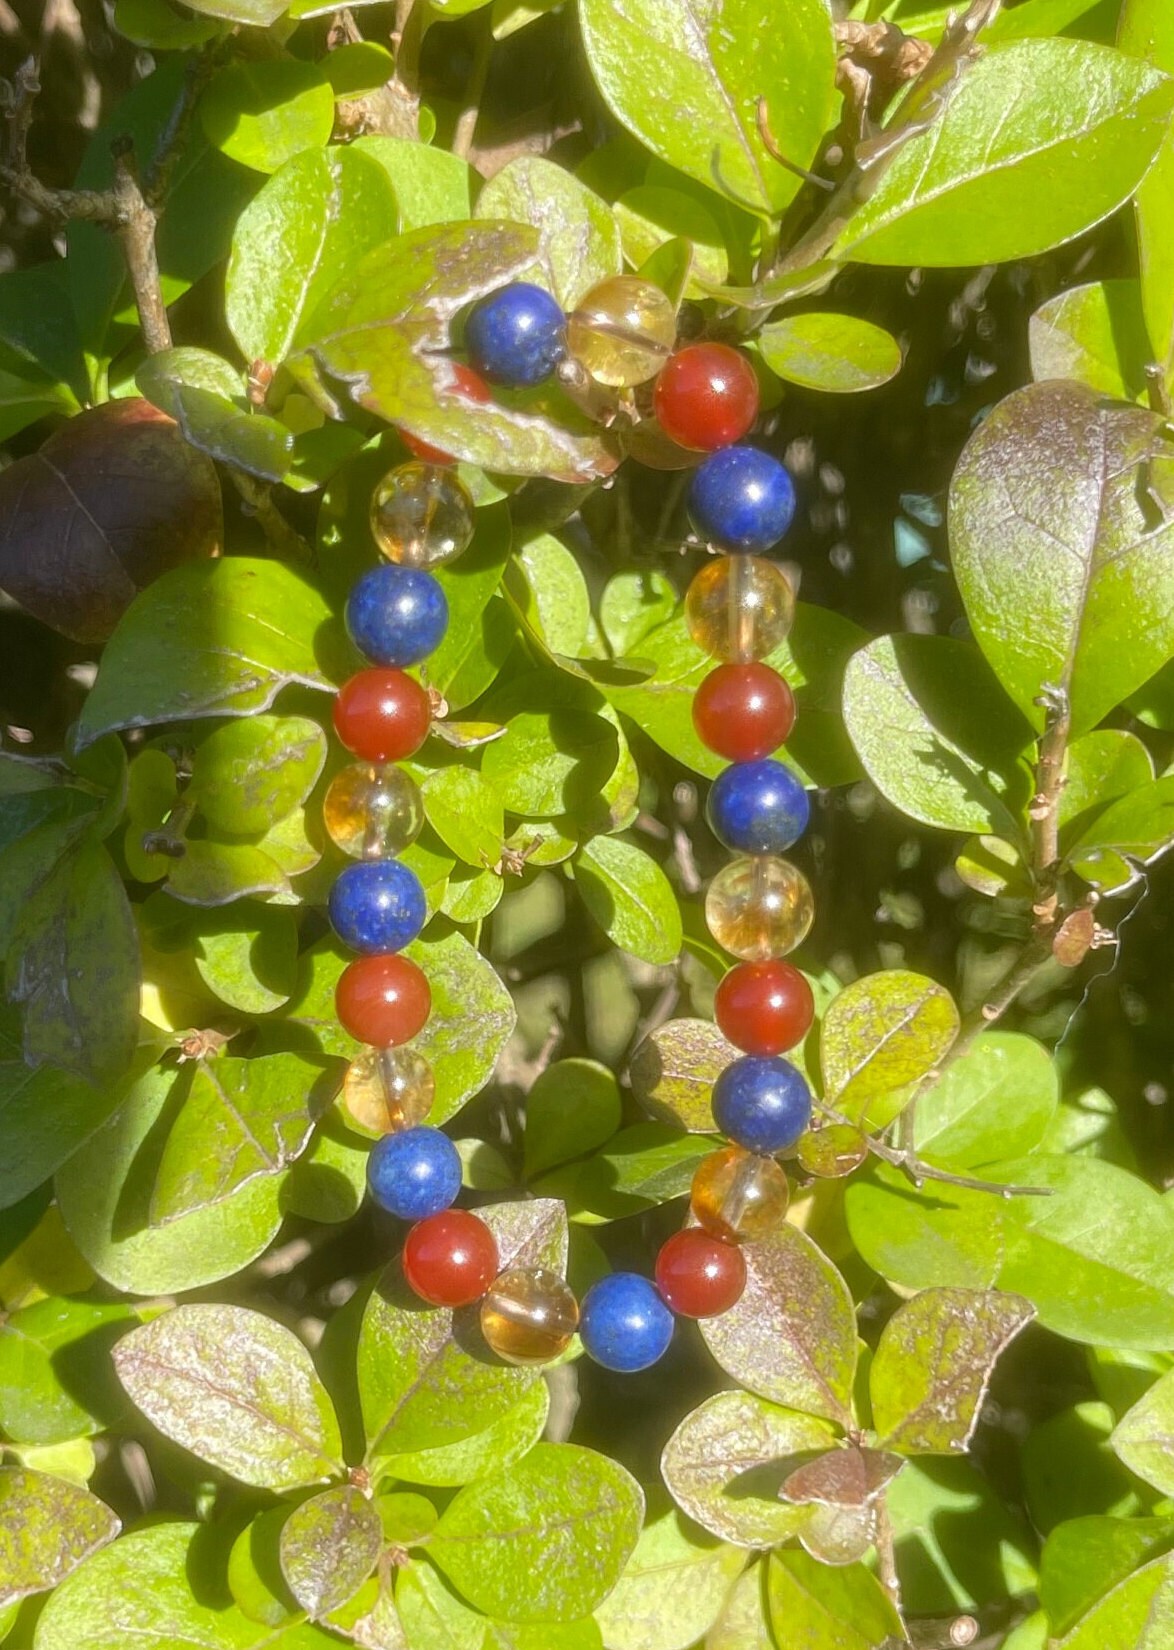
739, 608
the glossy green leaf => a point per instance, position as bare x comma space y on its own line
1084, 1558
578, 239
219, 873
881, 1033
1101, 766
1094, 334
38, 333
572, 1107
837, 354
1137, 1615
329, 1546
630, 898
829, 1608
672, 1587
960, 1546
204, 396
47, 1528
431, 185
249, 774
1144, 1438
548, 762
464, 810
551, 594
632, 604
254, 1570
263, 112
674, 1069
1135, 828
504, 1441
250, 961
1145, 31
154, 24
995, 1101
742, 1622
54, 1369
650, 217
255, 13
639, 1167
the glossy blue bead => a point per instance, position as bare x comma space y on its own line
624, 1324
516, 335
377, 905
757, 807
397, 615
763, 1105
741, 499
415, 1173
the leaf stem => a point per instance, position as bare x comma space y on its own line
466, 126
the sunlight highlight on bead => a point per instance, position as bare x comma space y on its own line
739, 1194
621, 331
759, 907
373, 810
422, 515
529, 1315
387, 1089
739, 607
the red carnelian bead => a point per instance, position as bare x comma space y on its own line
700, 1275
450, 1259
382, 715
743, 712
706, 396
764, 1008
382, 1000
467, 384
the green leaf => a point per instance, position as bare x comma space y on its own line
1084, 1558
546, 1541
506, 1440
218, 638
837, 354
933, 1364
38, 334
552, 594
204, 395
548, 762
329, 1546
1145, 31
1136, 1615
572, 1107
249, 774
431, 185
236, 1389
1062, 558
47, 1528
1094, 334
742, 1623
54, 1369
249, 960
879, 1034
961, 1548
630, 898
256, 13
792, 1336
651, 218
464, 810
672, 1588
634, 603
673, 1071
829, 1608
994, 1101
1144, 1438
152, 23
219, 873
1137, 827
578, 238
1040, 140
262, 113
1101, 766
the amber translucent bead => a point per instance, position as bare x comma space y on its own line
759, 907
382, 1000
622, 331
700, 1274
382, 715
764, 1007
529, 1315
373, 810
450, 1259
832, 1151
739, 607
743, 712
388, 1089
422, 515
739, 1195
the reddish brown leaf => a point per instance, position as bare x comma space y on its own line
847, 1477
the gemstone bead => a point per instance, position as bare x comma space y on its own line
387, 1089
382, 715
832, 1151
700, 1275
622, 331
529, 1315
764, 1007
740, 1195
757, 807
377, 905
396, 615
743, 712
466, 385
739, 607
450, 1259
516, 335
414, 1174
625, 1325
382, 1000
373, 810
422, 515
741, 499
706, 397
759, 907
764, 1105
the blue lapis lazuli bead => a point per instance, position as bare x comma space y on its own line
741, 499
377, 906
415, 1173
516, 335
623, 1324
397, 615
758, 807
763, 1105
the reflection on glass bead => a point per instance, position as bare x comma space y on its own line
373, 810
421, 515
740, 1195
388, 1089
529, 1315
622, 331
739, 607
759, 907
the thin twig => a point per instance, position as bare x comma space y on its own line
1045, 804
769, 143
136, 230
886, 1556
466, 126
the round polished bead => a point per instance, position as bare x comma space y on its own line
529, 1315
466, 385
396, 615
764, 1007
757, 807
383, 1001
414, 1174
382, 715
741, 499
739, 607
706, 397
764, 1105
373, 810
422, 515
832, 1151
759, 907
740, 1195
625, 1325
450, 1259
387, 1089
621, 332
700, 1275
516, 335
377, 905
743, 712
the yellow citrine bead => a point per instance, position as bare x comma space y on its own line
739, 608
529, 1315
623, 331
373, 810
832, 1151
388, 1089
422, 515
759, 907
739, 1195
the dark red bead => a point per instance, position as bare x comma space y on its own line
466, 384
382, 1000
743, 712
382, 715
764, 1008
450, 1259
700, 1275
706, 396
